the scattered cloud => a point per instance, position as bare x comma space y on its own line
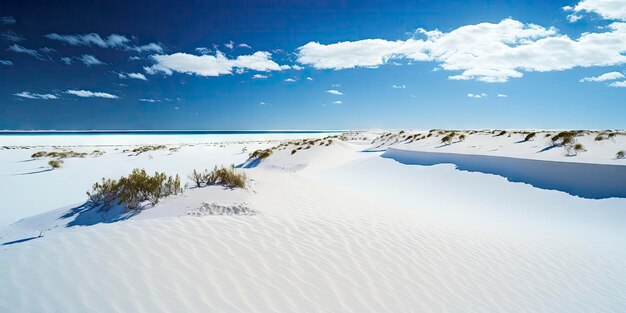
7, 20
603, 77
259, 76
501, 95
309, 78
607, 9
621, 84
132, 75
290, 80
19, 49
66, 60
91, 94
211, 65
335, 85
244, 45
265, 104
297, 67
149, 100
487, 52
10, 35
334, 92
89, 60
6, 62
477, 96
203, 50
134, 58
230, 45
38, 96
112, 41
398, 86
337, 102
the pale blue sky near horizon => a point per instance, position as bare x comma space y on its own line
309, 65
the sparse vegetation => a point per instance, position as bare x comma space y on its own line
599, 137
142, 149
462, 137
55, 163
134, 190
620, 154
226, 176
58, 155
261, 154
530, 136
501, 133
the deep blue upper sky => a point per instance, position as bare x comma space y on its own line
55, 74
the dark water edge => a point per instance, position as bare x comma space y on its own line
163, 132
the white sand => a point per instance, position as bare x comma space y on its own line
337, 230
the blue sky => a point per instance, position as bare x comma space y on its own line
312, 65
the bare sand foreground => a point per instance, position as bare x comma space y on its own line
358, 222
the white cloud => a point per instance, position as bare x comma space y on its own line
149, 100
290, 80
309, 78
7, 20
203, 50
211, 65
621, 84
603, 77
607, 9
259, 76
334, 92
244, 45
10, 35
91, 94
500, 95
39, 96
132, 75
230, 45
89, 60
337, 102
488, 52
19, 49
134, 58
112, 41
296, 67
6, 62
398, 86
477, 96
66, 60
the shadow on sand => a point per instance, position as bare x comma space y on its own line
87, 214
592, 181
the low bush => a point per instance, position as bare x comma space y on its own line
599, 138
501, 133
55, 163
142, 149
530, 136
462, 137
620, 154
261, 154
447, 139
134, 190
38, 154
226, 176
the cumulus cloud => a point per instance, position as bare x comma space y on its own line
7, 20
398, 86
477, 95
132, 75
89, 60
91, 94
211, 65
111, 41
607, 9
621, 84
603, 77
488, 52
19, 49
38, 96
6, 62
335, 92
10, 35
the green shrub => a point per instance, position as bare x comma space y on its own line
226, 176
261, 154
39, 154
502, 133
135, 189
447, 139
55, 163
530, 136
462, 137
599, 138
293, 151
198, 178
620, 154
579, 148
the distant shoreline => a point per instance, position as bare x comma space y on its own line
159, 132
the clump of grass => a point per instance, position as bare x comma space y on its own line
600, 137
134, 190
261, 154
227, 176
142, 149
620, 154
55, 163
462, 137
39, 154
579, 148
501, 133
294, 151
530, 136
58, 155
447, 139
